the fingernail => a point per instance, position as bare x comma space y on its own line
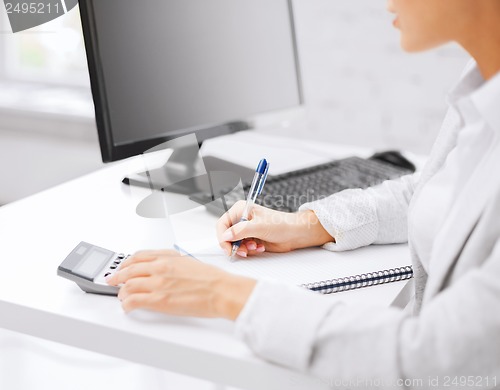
261, 249
241, 253
227, 235
252, 247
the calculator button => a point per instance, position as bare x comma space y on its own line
107, 274
113, 266
117, 261
121, 256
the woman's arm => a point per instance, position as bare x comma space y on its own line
455, 335
376, 215
346, 220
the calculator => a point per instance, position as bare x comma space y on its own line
88, 265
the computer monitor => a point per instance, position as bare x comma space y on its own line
160, 69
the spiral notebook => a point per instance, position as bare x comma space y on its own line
317, 269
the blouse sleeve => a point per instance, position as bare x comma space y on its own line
376, 215
455, 334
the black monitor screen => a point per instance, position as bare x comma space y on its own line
163, 68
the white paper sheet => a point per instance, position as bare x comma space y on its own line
306, 265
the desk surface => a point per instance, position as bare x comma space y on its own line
38, 232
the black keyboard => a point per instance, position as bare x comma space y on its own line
287, 192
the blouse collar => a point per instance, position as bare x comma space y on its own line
473, 96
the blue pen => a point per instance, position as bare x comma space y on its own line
256, 188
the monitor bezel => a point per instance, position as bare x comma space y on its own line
110, 151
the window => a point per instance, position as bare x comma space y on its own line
44, 69
52, 53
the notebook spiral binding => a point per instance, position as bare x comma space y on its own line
360, 281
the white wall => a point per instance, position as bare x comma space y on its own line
53, 152
359, 87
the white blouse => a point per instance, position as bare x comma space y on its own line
317, 333
430, 208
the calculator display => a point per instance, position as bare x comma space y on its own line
88, 265
91, 264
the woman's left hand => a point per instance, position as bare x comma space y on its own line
167, 282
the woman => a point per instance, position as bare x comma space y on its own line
450, 214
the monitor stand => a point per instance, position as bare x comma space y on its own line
179, 175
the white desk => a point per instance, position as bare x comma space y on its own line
38, 232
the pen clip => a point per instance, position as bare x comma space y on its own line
263, 180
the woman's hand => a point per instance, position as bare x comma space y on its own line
167, 282
269, 230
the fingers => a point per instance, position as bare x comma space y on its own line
231, 217
132, 271
242, 230
230, 229
136, 301
226, 246
253, 246
141, 264
250, 248
246, 248
258, 248
242, 251
226, 239
146, 256
135, 286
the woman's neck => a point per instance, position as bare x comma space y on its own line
487, 58
482, 41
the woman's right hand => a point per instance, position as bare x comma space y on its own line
269, 230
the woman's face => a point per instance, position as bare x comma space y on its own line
425, 24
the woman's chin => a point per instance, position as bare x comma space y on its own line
409, 47
417, 45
